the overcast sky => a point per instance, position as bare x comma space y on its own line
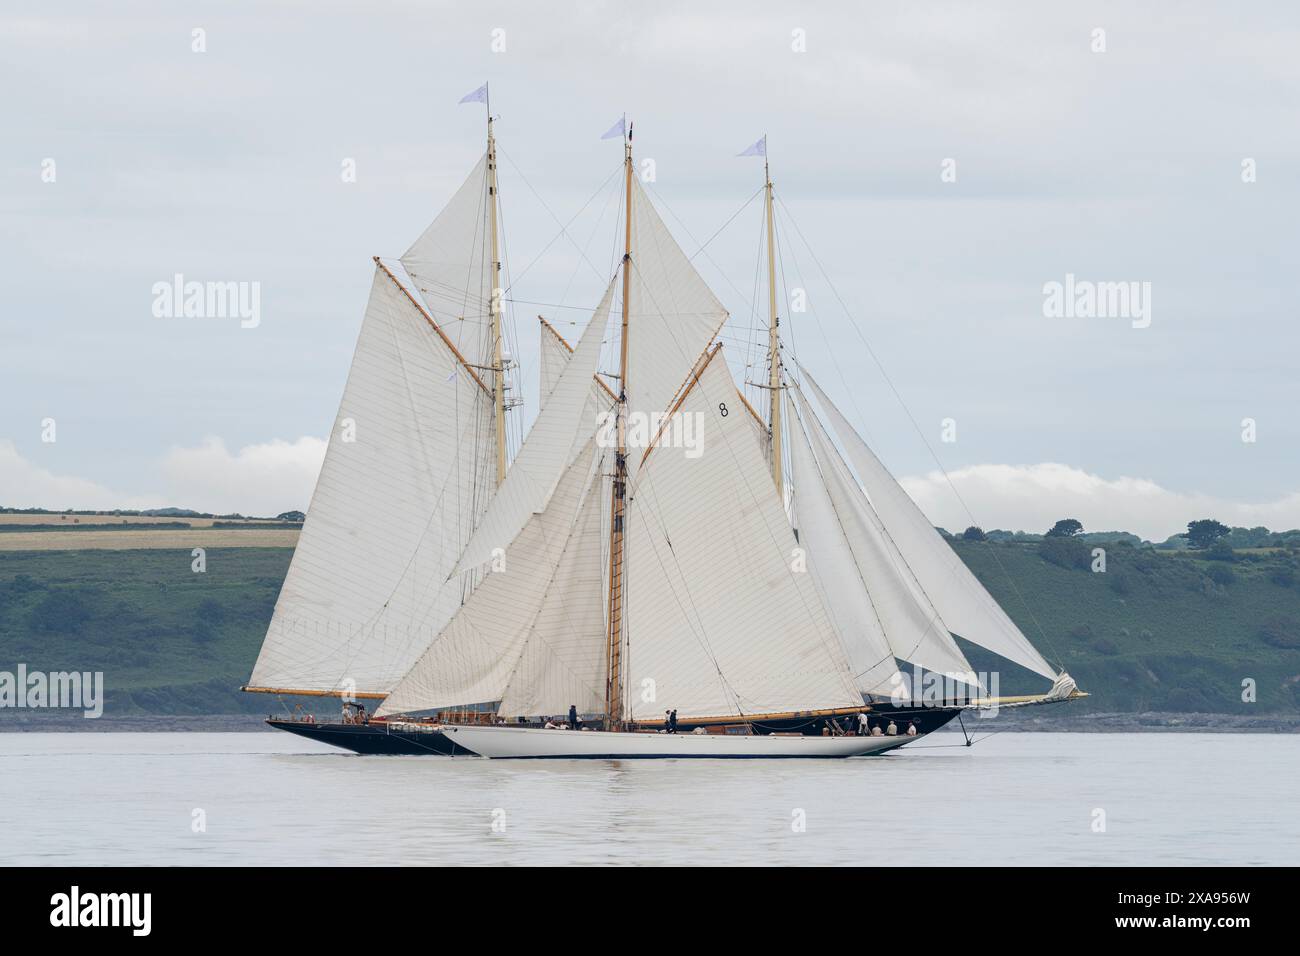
1122, 165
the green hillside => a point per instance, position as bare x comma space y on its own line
1172, 631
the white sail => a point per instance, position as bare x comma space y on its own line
672, 317
552, 442
472, 659
718, 620
835, 571
451, 265
405, 477
563, 659
966, 608
913, 629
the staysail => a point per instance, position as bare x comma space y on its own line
406, 475
551, 444
472, 660
965, 607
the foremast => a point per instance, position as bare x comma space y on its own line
618, 492
773, 337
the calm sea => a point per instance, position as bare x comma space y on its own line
1013, 798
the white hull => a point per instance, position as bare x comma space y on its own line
531, 742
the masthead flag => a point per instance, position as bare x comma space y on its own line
478, 96
619, 129
758, 149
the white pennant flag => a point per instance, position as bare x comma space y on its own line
758, 149
619, 129
478, 96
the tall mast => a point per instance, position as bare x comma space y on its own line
618, 504
499, 386
773, 338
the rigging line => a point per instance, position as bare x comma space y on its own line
907, 411
564, 227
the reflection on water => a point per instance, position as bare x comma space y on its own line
1013, 798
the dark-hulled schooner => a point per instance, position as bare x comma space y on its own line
655, 545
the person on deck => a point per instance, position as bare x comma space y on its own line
911, 728
864, 724
876, 731
672, 721
892, 729
573, 717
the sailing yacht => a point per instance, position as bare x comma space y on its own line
645, 551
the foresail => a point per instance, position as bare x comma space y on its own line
451, 264
554, 439
967, 609
835, 571
405, 476
472, 659
914, 630
720, 622
673, 316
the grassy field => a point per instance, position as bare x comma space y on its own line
1157, 631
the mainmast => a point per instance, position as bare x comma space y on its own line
498, 365
773, 337
618, 501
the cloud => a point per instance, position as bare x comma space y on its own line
24, 484
1033, 497
259, 479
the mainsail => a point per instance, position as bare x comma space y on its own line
720, 620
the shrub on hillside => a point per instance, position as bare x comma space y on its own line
1081, 632
1066, 553
1283, 577
1222, 576
59, 611
1283, 632
1105, 645
1219, 551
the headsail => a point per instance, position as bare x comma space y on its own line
962, 602
835, 570
405, 477
914, 630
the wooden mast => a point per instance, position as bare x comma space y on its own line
618, 501
773, 338
498, 366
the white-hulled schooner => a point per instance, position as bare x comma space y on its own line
639, 556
